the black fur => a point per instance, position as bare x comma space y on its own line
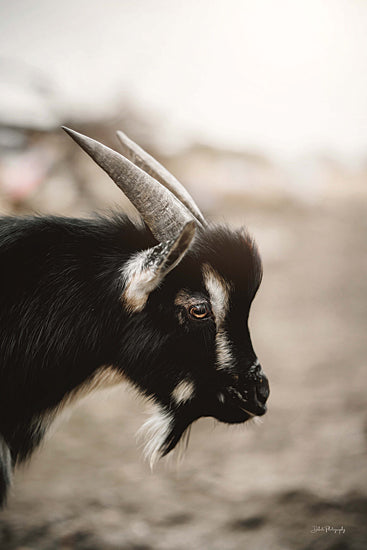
62, 318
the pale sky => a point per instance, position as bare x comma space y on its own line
284, 77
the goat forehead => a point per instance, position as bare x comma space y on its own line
234, 256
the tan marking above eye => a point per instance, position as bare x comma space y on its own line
219, 293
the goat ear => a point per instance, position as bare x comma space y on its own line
146, 270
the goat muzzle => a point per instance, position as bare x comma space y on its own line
251, 391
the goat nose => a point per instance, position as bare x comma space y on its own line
262, 387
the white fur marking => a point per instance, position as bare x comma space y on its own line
224, 353
154, 431
218, 290
221, 397
184, 391
145, 270
139, 281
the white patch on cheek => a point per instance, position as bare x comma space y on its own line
219, 290
155, 431
184, 391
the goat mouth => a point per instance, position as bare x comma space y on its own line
247, 412
237, 401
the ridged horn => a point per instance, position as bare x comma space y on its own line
160, 209
151, 166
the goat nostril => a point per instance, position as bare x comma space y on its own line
261, 397
262, 391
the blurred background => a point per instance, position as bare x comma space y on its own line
260, 109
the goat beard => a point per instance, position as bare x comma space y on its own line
162, 432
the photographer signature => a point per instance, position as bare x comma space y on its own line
328, 529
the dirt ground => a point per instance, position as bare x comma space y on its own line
281, 485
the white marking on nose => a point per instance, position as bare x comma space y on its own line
184, 391
218, 290
224, 352
221, 397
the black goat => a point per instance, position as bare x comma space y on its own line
86, 303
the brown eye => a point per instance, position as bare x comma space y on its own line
200, 311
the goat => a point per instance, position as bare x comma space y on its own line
90, 302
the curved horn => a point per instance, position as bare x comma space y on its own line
151, 166
160, 209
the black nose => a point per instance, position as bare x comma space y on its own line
261, 386
262, 389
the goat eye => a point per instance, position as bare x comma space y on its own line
200, 311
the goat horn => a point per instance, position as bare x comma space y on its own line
160, 209
151, 166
